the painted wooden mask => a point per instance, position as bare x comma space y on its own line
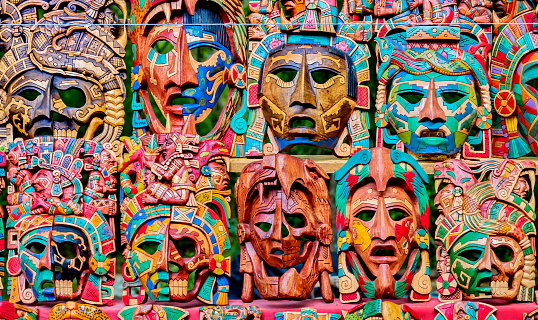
152, 312
307, 94
485, 231
382, 310
60, 238
175, 219
69, 80
383, 218
284, 221
465, 310
76, 311
183, 70
513, 77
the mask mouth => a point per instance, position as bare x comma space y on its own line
277, 251
304, 125
383, 254
432, 134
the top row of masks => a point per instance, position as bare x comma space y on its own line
453, 77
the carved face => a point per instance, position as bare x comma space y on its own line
185, 67
165, 254
304, 95
487, 266
432, 113
382, 224
282, 227
527, 94
43, 104
53, 260
218, 175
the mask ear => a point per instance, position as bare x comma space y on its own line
237, 76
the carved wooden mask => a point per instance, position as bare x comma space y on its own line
383, 218
172, 234
65, 76
515, 87
182, 70
152, 312
307, 94
465, 310
60, 238
284, 221
483, 252
76, 311
382, 310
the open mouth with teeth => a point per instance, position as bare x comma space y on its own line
432, 134
442, 183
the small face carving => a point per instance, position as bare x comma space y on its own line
218, 175
42, 104
304, 95
164, 255
433, 113
487, 266
282, 227
382, 225
53, 260
185, 67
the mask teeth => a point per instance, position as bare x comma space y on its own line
178, 288
63, 288
499, 287
65, 133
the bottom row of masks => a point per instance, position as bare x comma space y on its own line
174, 225
374, 309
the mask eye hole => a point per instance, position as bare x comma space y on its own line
452, 97
533, 83
163, 46
397, 215
472, 255
150, 247
36, 247
504, 253
73, 97
264, 226
295, 220
322, 76
365, 215
285, 74
30, 94
203, 53
411, 97
186, 247
67, 250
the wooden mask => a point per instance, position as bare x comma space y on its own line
306, 313
152, 312
513, 78
61, 198
486, 229
382, 310
62, 74
183, 70
284, 220
76, 311
434, 95
230, 313
465, 310
382, 222
174, 219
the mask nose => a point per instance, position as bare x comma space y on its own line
382, 226
303, 93
182, 73
431, 111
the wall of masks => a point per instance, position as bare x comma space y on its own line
129, 114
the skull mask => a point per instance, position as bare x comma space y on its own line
164, 256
